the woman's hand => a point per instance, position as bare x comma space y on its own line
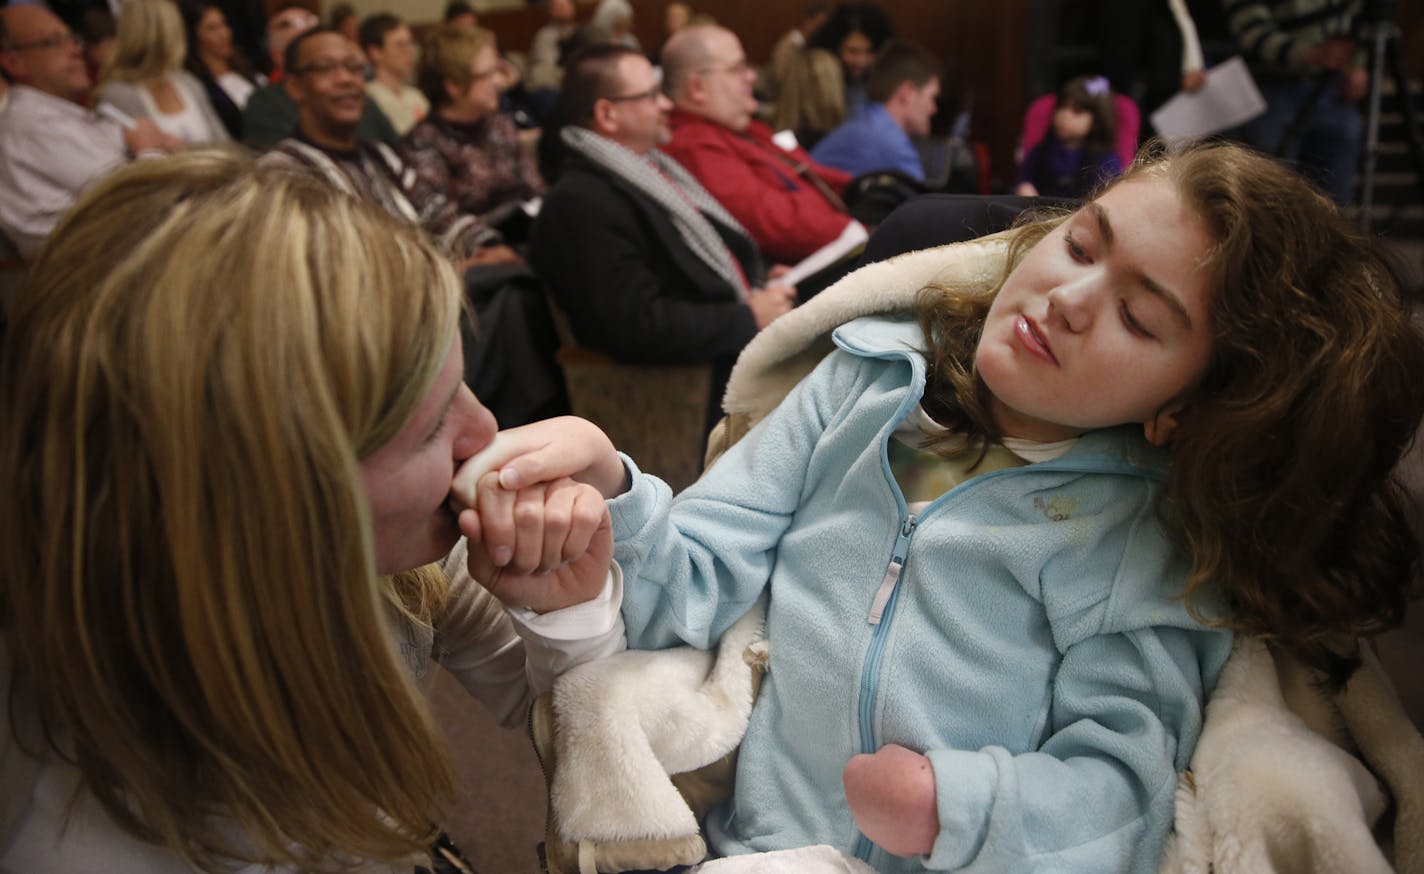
544, 547
891, 794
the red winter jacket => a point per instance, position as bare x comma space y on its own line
749, 174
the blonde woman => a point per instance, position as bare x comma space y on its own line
225, 455
811, 102
466, 148
145, 78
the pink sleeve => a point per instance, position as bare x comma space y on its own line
1037, 118
1129, 123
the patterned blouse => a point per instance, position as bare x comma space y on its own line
481, 166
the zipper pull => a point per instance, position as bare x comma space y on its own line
892, 573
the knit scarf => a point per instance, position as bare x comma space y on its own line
660, 178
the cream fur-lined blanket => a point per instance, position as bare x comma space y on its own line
1285, 778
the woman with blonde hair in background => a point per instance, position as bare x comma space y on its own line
145, 77
226, 449
466, 147
811, 102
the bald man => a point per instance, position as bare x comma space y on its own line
51, 145
788, 203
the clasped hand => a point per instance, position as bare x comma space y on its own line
532, 505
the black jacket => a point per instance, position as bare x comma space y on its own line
629, 285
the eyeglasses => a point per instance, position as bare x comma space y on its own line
328, 68
651, 94
58, 41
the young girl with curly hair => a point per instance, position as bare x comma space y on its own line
1007, 543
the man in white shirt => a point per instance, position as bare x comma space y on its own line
389, 46
51, 146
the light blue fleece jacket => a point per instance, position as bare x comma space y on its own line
1032, 644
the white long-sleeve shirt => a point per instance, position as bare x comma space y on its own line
51, 149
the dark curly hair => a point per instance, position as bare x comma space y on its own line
1282, 484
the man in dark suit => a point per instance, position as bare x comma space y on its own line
645, 263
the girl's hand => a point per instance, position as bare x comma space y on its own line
544, 547
891, 794
543, 452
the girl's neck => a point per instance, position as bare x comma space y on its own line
1071, 142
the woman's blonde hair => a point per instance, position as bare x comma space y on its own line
1281, 486
151, 42
202, 355
812, 95
446, 57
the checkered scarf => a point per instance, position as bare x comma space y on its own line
688, 204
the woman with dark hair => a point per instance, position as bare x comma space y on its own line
854, 33
228, 77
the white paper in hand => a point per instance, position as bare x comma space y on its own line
1229, 98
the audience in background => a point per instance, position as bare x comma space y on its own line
854, 32
228, 77
645, 263
788, 203
391, 51
52, 146
510, 346
810, 101
324, 83
145, 77
903, 90
466, 148
271, 116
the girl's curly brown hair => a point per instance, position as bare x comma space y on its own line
1281, 485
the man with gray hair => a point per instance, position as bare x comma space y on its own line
645, 263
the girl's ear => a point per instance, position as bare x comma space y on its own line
1160, 429
453, 91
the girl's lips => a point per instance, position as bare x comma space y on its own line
1030, 338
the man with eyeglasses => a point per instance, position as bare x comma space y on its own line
645, 263
271, 115
509, 350
324, 82
52, 146
789, 203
